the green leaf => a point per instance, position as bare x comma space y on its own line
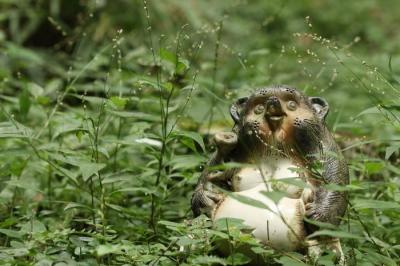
288, 261
15, 182
219, 233
146, 191
14, 130
11, 233
335, 187
136, 115
338, 234
248, 201
108, 249
34, 226
262, 250
192, 135
71, 175
74, 205
24, 103
182, 66
27, 55
379, 259
119, 102
15, 252
320, 224
68, 128
293, 181
79, 134
43, 100
115, 207
168, 86
171, 224
167, 55
186, 161
390, 150
87, 169
260, 52
34, 89
223, 224
374, 167
369, 111
275, 196
375, 204
238, 259
208, 260
187, 241
189, 143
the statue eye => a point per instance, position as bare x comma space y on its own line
259, 109
292, 105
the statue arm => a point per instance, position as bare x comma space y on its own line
205, 198
330, 205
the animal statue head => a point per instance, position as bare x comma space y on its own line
279, 119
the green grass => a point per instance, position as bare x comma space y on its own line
107, 108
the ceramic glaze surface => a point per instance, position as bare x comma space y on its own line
281, 224
272, 174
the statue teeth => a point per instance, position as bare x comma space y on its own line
275, 118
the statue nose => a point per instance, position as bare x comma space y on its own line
273, 105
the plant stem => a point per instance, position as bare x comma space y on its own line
49, 175
117, 146
214, 74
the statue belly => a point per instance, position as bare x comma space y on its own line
273, 170
280, 226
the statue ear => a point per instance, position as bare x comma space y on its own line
320, 106
237, 107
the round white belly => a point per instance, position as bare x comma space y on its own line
279, 226
276, 173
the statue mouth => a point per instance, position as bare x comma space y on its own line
275, 120
274, 114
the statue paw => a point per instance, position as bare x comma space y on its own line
205, 201
212, 198
313, 211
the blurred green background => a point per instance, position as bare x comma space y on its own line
261, 43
